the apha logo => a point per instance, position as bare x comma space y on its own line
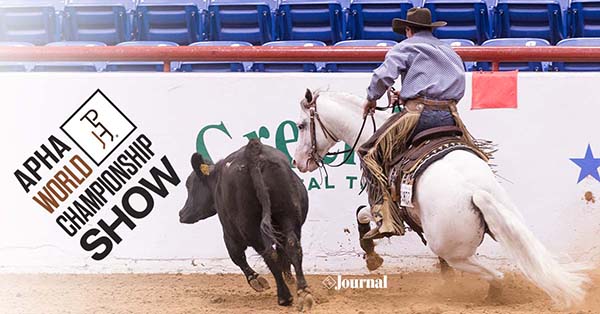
74, 192
98, 127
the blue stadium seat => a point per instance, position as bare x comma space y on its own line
177, 21
358, 66
239, 20
515, 42
32, 21
289, 66
320, 20
467, 19
584, 18
202, 4
8, 66
58, 5
215, 66
71, 66
418, 3
372, 19
346, 3
564, 4
146, 66
458, 42
461, 43
578, 66
106, 21
529, 19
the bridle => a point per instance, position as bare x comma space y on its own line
311, 106
314, 118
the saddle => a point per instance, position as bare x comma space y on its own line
426, 147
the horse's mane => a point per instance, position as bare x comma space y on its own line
341, 97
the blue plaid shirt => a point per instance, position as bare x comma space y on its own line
427, 67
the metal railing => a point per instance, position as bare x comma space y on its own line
495, 55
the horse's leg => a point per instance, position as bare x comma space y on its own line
458, 246
452, 225
473, 265
363, 218
447, 271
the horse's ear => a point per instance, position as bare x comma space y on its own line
308, 95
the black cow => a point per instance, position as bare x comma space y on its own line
261, 203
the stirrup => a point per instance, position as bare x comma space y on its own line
374, 234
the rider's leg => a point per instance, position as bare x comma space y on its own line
383, 216
363, 218
375, 154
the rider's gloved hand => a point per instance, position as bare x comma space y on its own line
369, 107
393, 96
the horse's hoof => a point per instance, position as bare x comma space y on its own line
494, 294
289, 278
259, 284
305, 301
285, 301
374, 261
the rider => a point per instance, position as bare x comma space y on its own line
433, 81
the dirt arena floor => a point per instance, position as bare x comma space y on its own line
413, 293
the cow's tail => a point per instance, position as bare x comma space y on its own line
563, 282
253, 151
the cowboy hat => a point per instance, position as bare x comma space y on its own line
416, 17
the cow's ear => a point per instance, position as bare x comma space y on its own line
308, 95
200, 167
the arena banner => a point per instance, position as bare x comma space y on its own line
94, 168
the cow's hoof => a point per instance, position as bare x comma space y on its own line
285, 301
305, 301
259, 284
374, 261
289, 278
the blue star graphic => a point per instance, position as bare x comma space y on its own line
588, 164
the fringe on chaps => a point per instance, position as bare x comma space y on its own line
388, 142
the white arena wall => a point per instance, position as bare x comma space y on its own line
558, 116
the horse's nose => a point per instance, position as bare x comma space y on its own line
294, 162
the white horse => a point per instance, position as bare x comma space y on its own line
452, 196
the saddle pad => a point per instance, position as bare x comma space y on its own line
429, 151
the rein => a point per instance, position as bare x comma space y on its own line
353, 148
314, 116
311, 105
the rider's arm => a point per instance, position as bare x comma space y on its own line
396, 61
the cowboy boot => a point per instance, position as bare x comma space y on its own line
377, 218
385, 222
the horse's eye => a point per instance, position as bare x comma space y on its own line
300, 126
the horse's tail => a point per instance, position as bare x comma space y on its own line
252, 153
563, 282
